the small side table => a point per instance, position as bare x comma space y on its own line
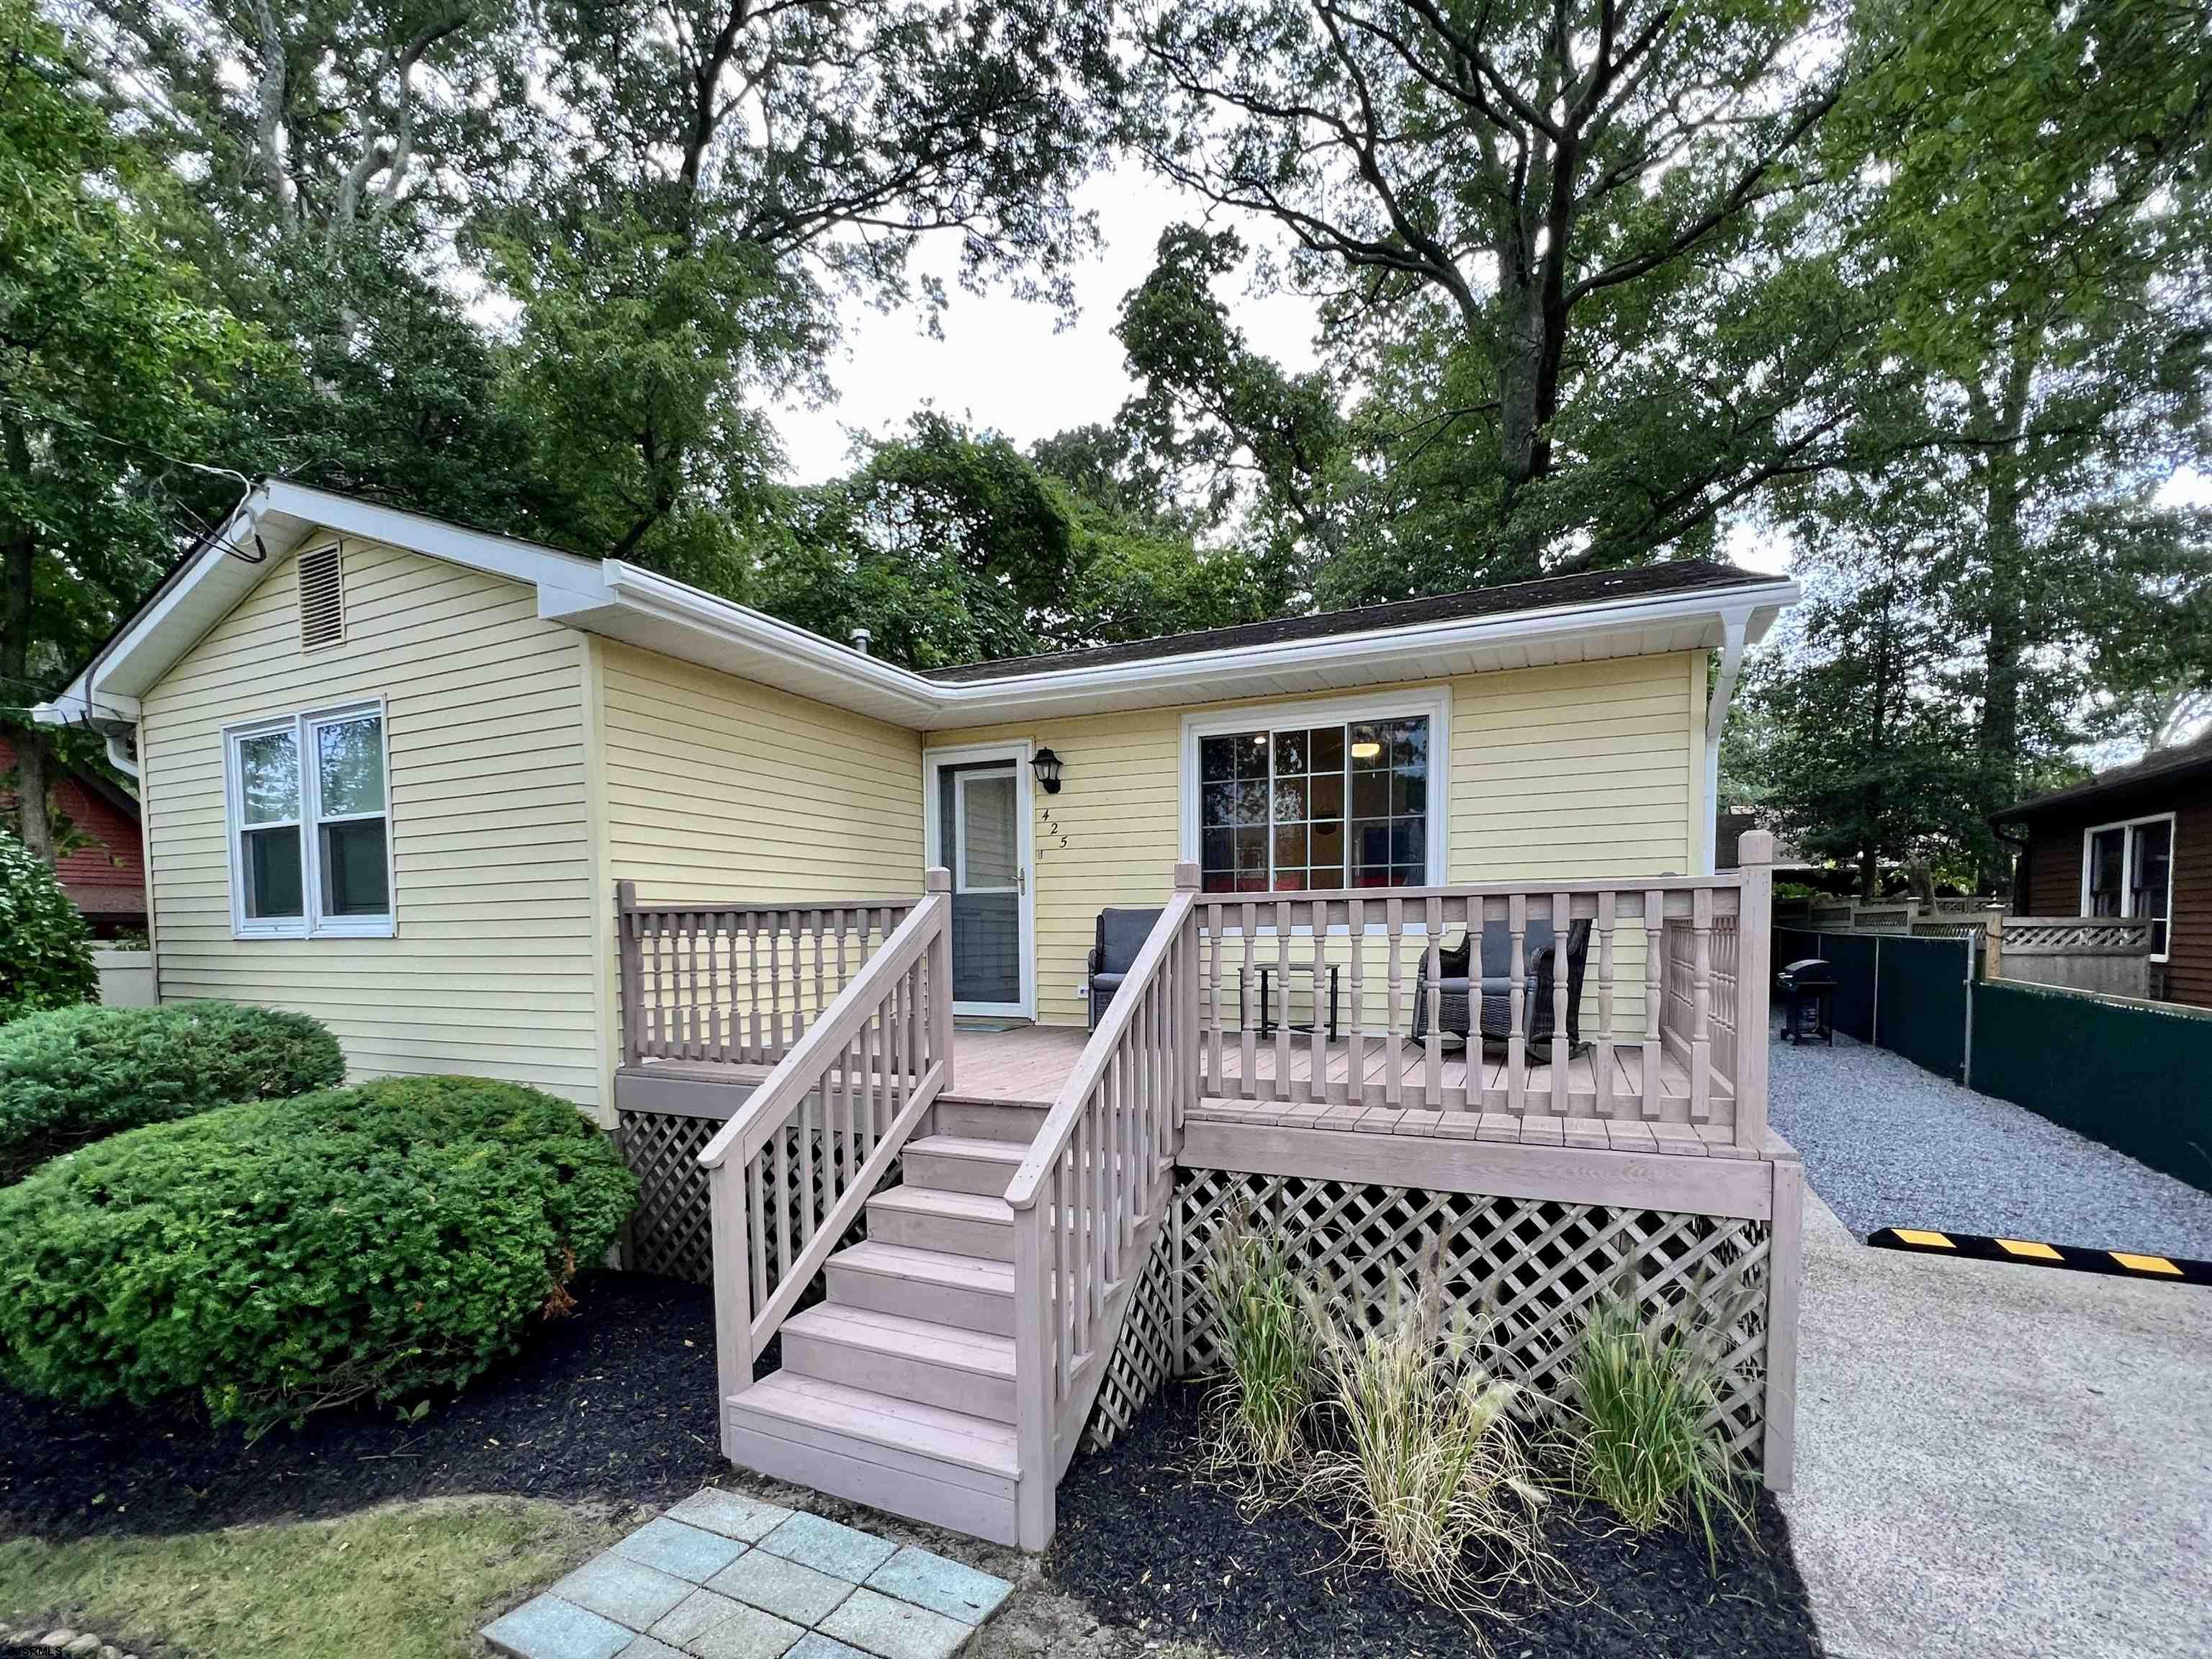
1267, 972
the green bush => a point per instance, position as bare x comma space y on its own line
76, 1074
45, 953
1268, 1340
1645, 1401
276, 1257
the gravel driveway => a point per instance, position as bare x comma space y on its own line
1888, 1145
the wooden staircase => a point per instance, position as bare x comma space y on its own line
951, 1364
898, 1390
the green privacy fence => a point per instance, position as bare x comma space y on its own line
1908, 995
2136, 1076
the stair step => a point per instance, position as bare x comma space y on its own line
914, 1360
988, 1119
964, 1163
929, 1219
952, 1290
943, 1466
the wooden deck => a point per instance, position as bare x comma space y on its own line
1026, 1065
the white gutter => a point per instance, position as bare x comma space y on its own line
1734, 624
1020, 694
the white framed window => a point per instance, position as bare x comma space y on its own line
2127, 870
308, 814
1316, 796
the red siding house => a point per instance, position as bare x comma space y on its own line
2133, 842
106, 877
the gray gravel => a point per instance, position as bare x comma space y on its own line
1888, 1145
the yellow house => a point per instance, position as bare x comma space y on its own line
1409, 911
393, 770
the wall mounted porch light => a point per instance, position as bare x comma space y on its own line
1047, 767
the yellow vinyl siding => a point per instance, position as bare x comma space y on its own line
1581, 770
489, 971
719, 788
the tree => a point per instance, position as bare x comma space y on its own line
2041, 246
721, 175
110, 353
1851, 747
1579, 195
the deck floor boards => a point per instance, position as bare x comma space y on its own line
1027, 1065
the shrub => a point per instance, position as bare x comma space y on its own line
76, 1074
387, 1242
1645, 1399
45, 953
1269, 1341
1430, 1464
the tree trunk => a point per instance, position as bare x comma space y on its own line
2004, 625
15, 566
1869, 873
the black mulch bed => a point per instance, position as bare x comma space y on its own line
608, 1402
1150, 1542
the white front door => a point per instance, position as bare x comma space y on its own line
979, 823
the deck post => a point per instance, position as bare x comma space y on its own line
1754, 949
936, 883
632, 975
1186, 969
732, 1290
1786, 1282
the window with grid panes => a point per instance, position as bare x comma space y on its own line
1298, 808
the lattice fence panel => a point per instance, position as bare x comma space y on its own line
1534, 1266
670, 1230
1145, 1356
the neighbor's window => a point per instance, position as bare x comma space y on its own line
1289, 809
310, 843
2129, 872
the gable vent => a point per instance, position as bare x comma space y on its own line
322, 599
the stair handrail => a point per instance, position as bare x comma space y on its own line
906, 988
1096, 1179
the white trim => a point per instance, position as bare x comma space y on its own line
1434, 703
623, 602
2128, 865
1735, 627
313, 922
933, 763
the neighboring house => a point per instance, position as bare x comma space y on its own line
2135, 841
810, 929
498, 733
105, 875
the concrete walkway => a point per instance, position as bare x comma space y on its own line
2001, 1460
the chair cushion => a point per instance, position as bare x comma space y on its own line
1452, 959
1122, 934
1498, 947
1109, 983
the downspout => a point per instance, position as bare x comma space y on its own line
1734, 625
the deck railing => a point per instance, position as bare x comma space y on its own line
789, 1174
1090, 1195
1674, 968
736, 983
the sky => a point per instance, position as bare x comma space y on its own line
1010, 365
1018, 368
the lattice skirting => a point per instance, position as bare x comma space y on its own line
1534, 1266
669, 1229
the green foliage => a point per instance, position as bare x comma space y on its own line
1430, 1466
76, 1074
1645, 1394
389, 1242
45, 951
1269, 1342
